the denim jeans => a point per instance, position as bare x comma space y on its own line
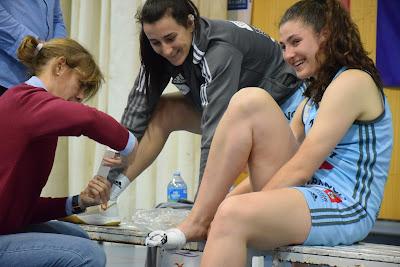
53, 243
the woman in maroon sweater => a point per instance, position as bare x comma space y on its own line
32, 117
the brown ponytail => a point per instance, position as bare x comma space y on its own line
35, 56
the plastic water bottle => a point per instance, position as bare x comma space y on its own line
177, 188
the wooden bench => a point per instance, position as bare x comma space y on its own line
127, 235
361, 254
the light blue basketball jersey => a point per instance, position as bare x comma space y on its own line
356, 170
290, 105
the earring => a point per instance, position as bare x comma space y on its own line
58, 69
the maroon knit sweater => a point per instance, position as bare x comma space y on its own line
31, 120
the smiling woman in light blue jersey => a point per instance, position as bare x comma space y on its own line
208, 61
319, 181
344, 195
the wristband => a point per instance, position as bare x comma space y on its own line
76, 208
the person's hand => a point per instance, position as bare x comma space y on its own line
97, 192
170, 239
115, 162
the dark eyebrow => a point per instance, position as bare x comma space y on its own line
291, 37
288, 40
164, 37
169, 35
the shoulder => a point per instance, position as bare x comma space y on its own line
355, 78
222, 56
353, 82
25, 93
356, 90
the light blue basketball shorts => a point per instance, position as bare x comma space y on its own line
335, 219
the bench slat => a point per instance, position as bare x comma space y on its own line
365, 251
280, 257
128, 235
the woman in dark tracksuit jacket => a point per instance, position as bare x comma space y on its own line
208, 61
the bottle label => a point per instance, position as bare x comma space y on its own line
174, 194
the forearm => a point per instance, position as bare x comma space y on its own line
49, 209
295, 172
148, 148
242, 188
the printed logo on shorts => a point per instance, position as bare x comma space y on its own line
314, 196
318, 195
326, 166
332, 196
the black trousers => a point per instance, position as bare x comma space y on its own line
2, 90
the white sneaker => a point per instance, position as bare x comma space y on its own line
97, 216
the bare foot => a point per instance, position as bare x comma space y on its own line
194, 230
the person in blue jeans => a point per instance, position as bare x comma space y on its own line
52, 243
33, 115
42, 19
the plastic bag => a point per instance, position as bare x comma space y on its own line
147, 220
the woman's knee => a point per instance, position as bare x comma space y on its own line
250, 101
96, 256
168, 114
90, 254
228, 216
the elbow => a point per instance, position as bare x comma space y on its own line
306, 179
304, 176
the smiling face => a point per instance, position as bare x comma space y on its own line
170, 39
300, 44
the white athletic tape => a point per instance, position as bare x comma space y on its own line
170, 239
119, 185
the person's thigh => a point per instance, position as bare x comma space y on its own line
58, 227
45, 249
272, 141
266, 219
176, 112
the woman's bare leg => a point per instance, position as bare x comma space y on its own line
262, 220
166, 118
254, 130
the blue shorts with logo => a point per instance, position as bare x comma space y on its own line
335, 218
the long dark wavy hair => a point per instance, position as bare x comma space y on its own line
155, 66
342, 47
